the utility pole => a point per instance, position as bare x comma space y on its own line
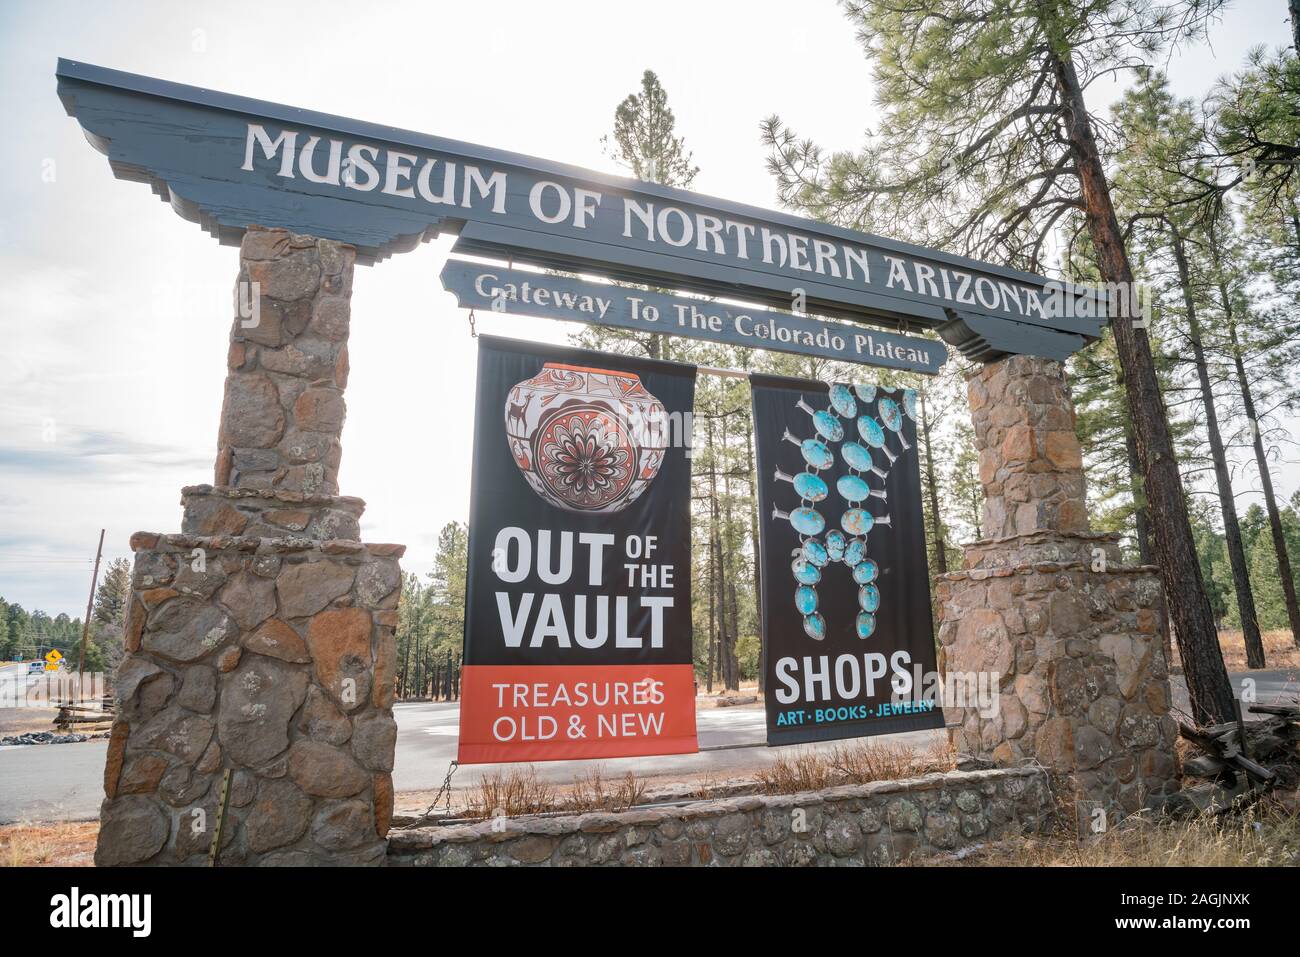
90, 603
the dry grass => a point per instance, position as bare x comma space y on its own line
1263, 836
510, 792
513, 792
1279, 650
852, 764
592, 792
802, 771
48, 845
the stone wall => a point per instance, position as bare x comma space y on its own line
1074, 635
260, 658
1084, 687
288, 365
273, 659
880, 823
1030, 463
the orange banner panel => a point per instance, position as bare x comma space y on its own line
572, 712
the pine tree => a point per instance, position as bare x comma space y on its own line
645, 141
110, 597
987, 144
645, 138
1255, 129
1163, 140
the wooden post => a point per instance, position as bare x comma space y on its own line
90, 603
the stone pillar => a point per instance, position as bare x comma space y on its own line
1073, 634
260, 659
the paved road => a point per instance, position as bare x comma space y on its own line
52, 782
426, 745
64, 781
13, 679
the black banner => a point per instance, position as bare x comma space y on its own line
848, 644
578, 636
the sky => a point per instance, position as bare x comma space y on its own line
114, 312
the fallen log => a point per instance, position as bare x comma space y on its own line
1227, 749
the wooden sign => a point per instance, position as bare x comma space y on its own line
499, 289
228, 161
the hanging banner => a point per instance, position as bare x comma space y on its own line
500, 289
578, 638
848, 644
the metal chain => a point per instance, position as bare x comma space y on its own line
472, 333
444, 790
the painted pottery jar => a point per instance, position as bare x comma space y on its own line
586, 440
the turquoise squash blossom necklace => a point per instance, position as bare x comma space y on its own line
847, 544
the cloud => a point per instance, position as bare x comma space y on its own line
98, 455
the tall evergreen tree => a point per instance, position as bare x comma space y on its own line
1272, 351
987, 144
110, 597
1163, 137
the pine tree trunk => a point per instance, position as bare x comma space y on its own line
753, 536
419, 661
1223, 478
720, 580
1180, 572
404, 687
719, 569
729, 551
932, 487
1141, 516
1265, 477
713, 621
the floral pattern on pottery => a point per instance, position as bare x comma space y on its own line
586, 440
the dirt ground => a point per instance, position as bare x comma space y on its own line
1257, 838
1279, 650
22, 720
48, 845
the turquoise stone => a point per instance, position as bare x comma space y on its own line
815, 626
871, 431
805, 572
866, 625
909, 403
815, 552
842, 400
809, 486
854, 552
856, 456
867, 571
827, 426
835, 544
807, 521
857, 521
805, 599
867, 393
852, 488
889, 412
869, 597
816, 454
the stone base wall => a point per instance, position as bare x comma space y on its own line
1083, 686
1030, 463
269, 658
288, 364
269, 513
880, 823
